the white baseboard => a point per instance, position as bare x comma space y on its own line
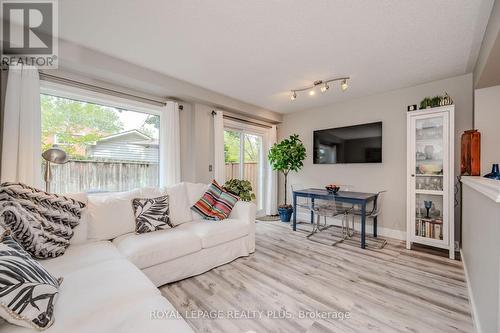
475, 321
381, 231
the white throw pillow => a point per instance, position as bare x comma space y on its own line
111, 215
80, 231
194, 193
180, 211
152, 192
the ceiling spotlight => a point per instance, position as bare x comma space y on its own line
344, 85
322, 84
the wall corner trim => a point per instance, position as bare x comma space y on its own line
475, 321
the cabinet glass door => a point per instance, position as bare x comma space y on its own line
430, 188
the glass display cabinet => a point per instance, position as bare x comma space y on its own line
430, 178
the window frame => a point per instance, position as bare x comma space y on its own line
88, 96
243, 128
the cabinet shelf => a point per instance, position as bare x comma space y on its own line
430, 192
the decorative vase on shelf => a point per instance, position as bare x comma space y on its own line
495, 173
428, 206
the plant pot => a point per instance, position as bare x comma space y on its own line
285, 213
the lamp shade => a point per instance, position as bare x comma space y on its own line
55, 155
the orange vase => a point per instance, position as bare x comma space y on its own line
470, 163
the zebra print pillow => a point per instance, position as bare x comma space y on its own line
41, 222
151, 214
27, 290
30, 232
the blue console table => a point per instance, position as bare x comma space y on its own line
355, 198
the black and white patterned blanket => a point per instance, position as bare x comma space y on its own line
42, 223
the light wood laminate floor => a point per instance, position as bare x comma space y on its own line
388, 290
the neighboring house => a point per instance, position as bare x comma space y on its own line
126, 146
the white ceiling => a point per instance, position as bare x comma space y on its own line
256, 51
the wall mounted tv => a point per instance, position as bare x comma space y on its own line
350, 144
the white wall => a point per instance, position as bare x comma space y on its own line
487, 121
203, 149
390, 108
481, 255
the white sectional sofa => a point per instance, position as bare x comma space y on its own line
111, 274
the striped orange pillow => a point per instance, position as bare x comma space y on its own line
216, 203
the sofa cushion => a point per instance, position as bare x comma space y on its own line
179, 204
194, 192
149, 249
81, 256
80, 232
113, 296
28, 290
213, 233
99, 288
111, 215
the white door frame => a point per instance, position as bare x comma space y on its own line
243, 129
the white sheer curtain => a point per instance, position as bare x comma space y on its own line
21, 148
272, 177
219, 158
170, 145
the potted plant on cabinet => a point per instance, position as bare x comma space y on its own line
284, 157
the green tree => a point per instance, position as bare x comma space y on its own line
76, 123
232, 147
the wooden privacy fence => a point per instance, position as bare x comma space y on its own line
250, 169
95, 176
90, 176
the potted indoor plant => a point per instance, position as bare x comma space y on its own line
241, 188
284, 157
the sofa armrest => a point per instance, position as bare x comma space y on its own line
246, 211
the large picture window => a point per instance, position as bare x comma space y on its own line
110, 148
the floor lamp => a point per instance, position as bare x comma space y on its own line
52, 155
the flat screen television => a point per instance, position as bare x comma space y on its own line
350, 144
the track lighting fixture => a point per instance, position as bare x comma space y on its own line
344, 85
324, 86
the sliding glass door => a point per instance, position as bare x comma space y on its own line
244, 157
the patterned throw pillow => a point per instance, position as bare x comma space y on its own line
216, 203
59, 213
224, 205
30, 232
27, 290
207, 201
151, 214
42, 223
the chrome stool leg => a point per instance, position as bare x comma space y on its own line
319, 228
